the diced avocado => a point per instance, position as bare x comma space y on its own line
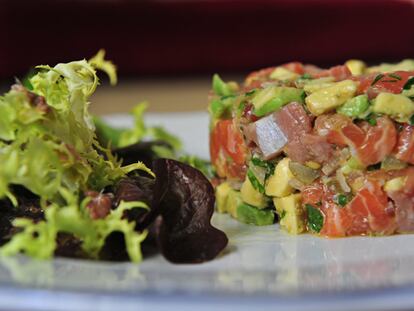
219, 107
233, 201
291, 213
354, 107
390, 163
222, 88
353, 164
395, 184
251, 196
272, 98
331, 97
312, 164
311, 86
222, 193
277, 185
409, 93
405, 65
356, 66
251, 215
397, 106
281, 73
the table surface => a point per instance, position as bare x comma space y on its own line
163, 95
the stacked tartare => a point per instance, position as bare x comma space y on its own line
327, 151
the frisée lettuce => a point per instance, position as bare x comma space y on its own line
48, 146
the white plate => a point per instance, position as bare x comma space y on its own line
262, 268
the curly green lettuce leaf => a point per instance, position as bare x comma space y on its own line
38, 240
53, 146
17, 114
122, 137
107, 135
99, 62
137, 133
48, 146
27, 167
159, 133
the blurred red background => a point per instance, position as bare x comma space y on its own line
194, 37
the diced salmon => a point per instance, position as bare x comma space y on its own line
404, 201
259, 76
339, 73
379, 142
369, 212
313, 194
295, 67
336, 220
312, 69
392, 82
405, 145
256, 78
370, 143
227, 150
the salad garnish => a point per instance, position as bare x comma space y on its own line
66, 189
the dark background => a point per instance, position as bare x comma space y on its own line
162, 38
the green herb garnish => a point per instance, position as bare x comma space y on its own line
315, 218
240, 108
395, 76
377, 78
250, 93
342, 199
269, 166
374, 167
255, 182
409, 83
371, 119
306, 76
283, 214
412, 120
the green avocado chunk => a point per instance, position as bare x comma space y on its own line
220, 87
354, 107
222, 106
251, 215
233, 201
397, 106
272, 98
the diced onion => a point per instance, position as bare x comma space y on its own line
342, 181
303, 173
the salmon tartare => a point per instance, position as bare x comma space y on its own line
326, 151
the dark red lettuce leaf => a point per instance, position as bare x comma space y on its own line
184, 198
28, 207
134, 188
181, 201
